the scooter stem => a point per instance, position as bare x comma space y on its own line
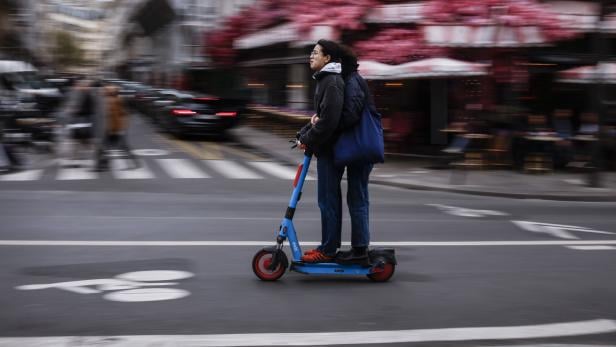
299, 181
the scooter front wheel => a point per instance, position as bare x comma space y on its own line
261, 265
383, 273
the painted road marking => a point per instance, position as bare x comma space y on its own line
211, 151
557, 230
125, 287
307, 243
231, 169
191, 149
593, 248
277, 170
78, 173
597, 326
242, 153
147, 152
27, 175
121, 169
181, 168
467, 212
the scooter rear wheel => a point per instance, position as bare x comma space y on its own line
261, 262
384, 274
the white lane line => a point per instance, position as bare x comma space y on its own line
231, 169
121, 169
27, 175
277, 170
597, 326
181, 168
78, 173
307, 243
593, 248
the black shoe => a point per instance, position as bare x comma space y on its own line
357, 255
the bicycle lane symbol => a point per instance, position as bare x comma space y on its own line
126, 287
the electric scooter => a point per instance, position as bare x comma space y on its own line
270, 263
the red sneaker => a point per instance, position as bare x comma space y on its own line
317, 257
311, 251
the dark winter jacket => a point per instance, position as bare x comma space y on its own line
355, 99
328, 102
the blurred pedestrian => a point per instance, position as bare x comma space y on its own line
563, 152
81, 122
9, 160
319, 137
114, 136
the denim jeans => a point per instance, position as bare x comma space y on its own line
329, 195
359, 204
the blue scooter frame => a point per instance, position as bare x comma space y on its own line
270, 263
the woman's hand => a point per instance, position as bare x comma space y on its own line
314, 119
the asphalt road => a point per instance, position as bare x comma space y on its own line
79, 267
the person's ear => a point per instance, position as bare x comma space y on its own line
328, 58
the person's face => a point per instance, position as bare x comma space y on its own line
317, 59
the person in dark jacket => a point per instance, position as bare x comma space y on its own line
356, 97
319, 137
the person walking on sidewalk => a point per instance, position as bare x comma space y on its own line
115, 130
356, 97
319, 138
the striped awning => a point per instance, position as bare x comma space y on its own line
426, 68
483, 36
373, 70
284, 33
603, 72
396, 13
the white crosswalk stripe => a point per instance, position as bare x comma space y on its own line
175, 168
276, 169
181, 168
121, 169
27, 175
82, 172
231, 169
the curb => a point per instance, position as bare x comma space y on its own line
447, 188
452, 189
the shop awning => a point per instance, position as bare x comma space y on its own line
483, 36
582, 15
608, 24
579, 15
284, 33
396, 13
373, 70
438, 67
603, 72
426, 68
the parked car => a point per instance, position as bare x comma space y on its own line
22, 79
183, 113
144, 101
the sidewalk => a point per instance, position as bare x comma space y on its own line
413, 173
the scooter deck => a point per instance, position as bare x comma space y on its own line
330, 268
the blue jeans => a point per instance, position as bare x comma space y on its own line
359, 204
329, 195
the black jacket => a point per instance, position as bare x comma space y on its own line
328, 102
355, 99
